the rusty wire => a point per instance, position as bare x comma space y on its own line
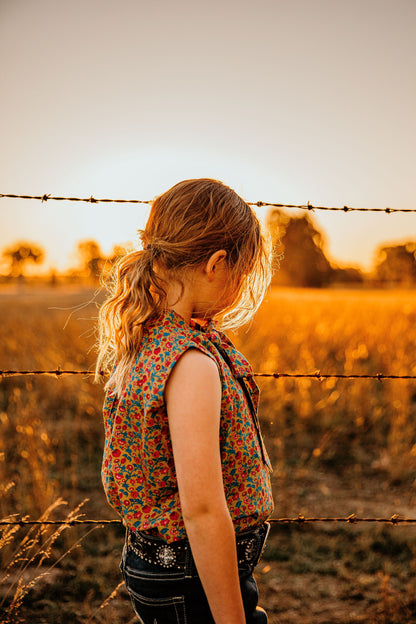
59, 372
320, 376
308, 206
90, 200
24, 522
299, 520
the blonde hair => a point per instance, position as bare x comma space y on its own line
187, 224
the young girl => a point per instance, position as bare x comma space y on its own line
184, 461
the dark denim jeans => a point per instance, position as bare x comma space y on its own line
172, 596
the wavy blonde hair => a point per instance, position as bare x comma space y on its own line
187, 224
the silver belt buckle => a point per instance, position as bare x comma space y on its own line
166, 556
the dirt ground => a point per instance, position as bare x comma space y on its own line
328, 573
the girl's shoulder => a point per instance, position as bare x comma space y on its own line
164, 341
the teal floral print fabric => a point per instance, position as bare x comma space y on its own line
138, 468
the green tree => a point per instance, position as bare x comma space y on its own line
20, 254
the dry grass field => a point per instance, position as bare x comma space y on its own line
338, 447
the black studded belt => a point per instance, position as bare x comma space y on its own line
177, 555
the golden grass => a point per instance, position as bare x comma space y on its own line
346, 332
338, 446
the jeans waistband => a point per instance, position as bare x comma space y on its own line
178, 556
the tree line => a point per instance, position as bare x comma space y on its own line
92, 262
300, 258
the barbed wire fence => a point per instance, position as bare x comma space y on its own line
259, 204
59, 372
300, 520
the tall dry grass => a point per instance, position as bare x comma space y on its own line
30, 559
50, 452
338, 423
338, 446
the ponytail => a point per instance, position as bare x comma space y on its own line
136, 295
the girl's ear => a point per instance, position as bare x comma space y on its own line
216, 259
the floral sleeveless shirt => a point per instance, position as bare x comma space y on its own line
138, 469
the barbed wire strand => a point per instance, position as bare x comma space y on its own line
90, 200
308, 206
59, 372
395, 520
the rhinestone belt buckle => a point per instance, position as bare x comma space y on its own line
166, 556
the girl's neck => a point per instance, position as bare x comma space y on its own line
179, 299
183, 311
202, 292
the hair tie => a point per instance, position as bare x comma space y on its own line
152, 248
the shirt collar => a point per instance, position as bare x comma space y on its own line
206, 329
208, 333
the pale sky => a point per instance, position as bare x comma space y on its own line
284, 100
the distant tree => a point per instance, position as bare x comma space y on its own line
20, 254
348, 275
118, 251
304, 261
396, 264
91, 258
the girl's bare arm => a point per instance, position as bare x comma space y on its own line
193, 399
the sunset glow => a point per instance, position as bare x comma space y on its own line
285, 102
